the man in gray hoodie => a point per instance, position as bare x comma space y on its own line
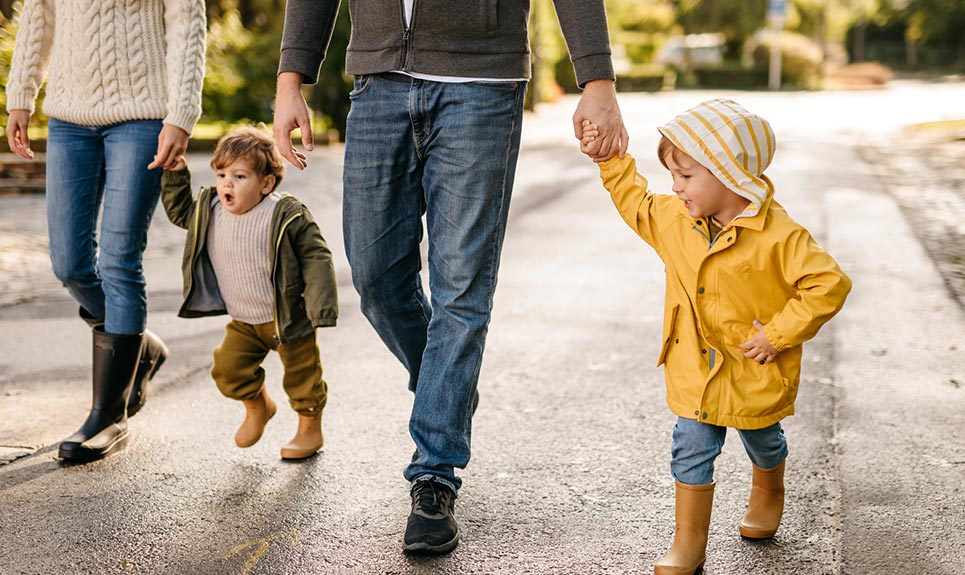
434, 131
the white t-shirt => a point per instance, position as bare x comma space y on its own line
451, 79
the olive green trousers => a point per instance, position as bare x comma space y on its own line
238, 373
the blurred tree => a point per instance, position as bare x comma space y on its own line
240, 70
738, 20
329, 97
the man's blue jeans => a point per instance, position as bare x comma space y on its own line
448, 152
90, 167
696, 445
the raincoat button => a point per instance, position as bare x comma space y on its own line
697, 413
700, 290
704, 351
730, 238
703, 415
676, 341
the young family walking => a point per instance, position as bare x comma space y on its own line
433, 135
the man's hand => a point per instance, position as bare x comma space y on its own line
599, 105
172, 142
291, 113
758, 348
17, 137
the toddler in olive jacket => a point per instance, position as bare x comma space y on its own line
258, 256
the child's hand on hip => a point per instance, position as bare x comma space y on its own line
758, 348
590, 141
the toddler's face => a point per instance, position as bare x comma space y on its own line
240, 188
701, 192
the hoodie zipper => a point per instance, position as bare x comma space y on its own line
406, 34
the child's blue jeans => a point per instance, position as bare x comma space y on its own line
696, 446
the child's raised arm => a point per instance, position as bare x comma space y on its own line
179, 205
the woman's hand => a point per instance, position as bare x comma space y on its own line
172, 142
17, 137
758, 348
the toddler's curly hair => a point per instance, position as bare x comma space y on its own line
254, 144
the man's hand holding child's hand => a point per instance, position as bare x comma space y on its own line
758, 348
590, 141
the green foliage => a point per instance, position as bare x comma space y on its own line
8, 31
240, 70
329, 97
738, 20
641, 27
801, 59
8, 34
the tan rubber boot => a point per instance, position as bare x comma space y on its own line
257, 413
308, 439
688, 552
766, 504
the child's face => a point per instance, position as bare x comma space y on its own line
240, 188
701, 192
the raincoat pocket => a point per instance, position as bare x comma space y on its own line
669, 328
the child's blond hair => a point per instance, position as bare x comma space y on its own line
253, 144
666, 149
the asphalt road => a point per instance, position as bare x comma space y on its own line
570, 472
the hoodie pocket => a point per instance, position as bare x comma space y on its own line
669, 330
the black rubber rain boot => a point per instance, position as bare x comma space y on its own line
155, 352
115, 362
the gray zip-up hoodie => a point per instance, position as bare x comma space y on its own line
466, 38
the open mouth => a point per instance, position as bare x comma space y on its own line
229, 199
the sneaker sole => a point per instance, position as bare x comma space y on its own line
426, 548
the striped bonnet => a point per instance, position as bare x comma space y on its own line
735, 145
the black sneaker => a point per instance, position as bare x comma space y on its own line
432, 526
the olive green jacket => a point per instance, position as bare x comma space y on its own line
302, 271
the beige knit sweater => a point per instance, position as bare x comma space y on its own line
111, 60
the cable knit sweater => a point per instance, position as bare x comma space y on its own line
111, 60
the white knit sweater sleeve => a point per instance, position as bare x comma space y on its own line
31, 54
184, 34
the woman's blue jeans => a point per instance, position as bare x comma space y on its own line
696, 445
95, 168
448, 152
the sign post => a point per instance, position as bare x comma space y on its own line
776, 15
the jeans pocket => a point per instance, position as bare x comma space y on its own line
360, 85
506, 85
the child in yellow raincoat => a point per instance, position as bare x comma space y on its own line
746, 286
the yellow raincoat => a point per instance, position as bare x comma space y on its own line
762, 266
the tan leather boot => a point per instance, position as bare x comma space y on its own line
308, 439
766, 504
688, 552
257, 413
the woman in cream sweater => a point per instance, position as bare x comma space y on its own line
123, 95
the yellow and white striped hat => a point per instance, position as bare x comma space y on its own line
735, 145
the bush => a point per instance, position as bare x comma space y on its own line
8, 34
646, 78
730, 77
240, 70
801, 59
